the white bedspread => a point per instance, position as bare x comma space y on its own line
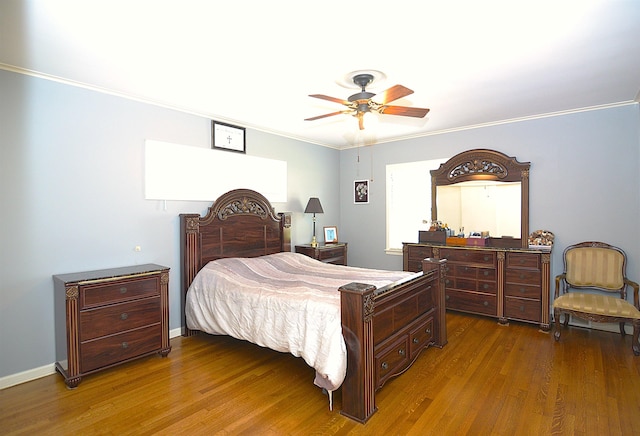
286, 301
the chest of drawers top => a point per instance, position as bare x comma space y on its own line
104, 275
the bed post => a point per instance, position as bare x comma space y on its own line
189, 258
440, 267
358, 388
285, 230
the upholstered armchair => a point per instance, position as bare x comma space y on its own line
600, 270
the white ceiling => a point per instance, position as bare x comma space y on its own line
254, 63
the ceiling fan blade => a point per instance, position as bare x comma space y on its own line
393, 93
417, 112
327, 115
334, 99
360, 116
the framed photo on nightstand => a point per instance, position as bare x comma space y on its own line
330, 235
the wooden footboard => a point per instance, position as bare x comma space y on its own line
385, 330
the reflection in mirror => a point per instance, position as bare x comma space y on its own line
481, 206
488, 166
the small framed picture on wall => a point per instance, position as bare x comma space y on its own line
228, 137
361, 192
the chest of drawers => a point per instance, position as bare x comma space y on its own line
505, 283
107, 317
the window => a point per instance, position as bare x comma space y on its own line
408, 201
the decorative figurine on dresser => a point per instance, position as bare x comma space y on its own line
107, 317
495, 268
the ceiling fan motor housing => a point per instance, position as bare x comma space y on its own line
362, 80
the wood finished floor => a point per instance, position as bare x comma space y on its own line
488, 380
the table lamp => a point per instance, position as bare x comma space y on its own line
314, 207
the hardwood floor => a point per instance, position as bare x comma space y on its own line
489, 379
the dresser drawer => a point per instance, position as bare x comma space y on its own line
113, 349
471, 302
523, 291
523, 260
480, 257
523, 309
473, 272
523, 276
328, 253
392, 359
414, 256
417, 252
117, 318
463, 284
117, 291
420, 337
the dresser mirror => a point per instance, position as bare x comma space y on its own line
483, 190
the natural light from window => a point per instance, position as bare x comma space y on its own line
408, 201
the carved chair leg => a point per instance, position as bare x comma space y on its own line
556, 316
622, 332
635, 346
566, 320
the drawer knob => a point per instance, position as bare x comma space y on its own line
123, 290
124, 316
485, 286
125, 345
416, 340
521, 308
446, 297
486, 273
402, 352
521, 276
427, 331
522, 290
486, 258
486, 303
384, 365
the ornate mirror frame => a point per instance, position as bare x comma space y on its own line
484, 164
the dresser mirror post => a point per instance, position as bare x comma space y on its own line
494, 168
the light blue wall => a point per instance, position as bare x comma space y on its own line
72, 198
71, 191
584, 181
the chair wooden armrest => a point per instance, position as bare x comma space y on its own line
635, 287
559, 279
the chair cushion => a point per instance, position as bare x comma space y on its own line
597, 305
596, 267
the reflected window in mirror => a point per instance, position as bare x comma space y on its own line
481, 206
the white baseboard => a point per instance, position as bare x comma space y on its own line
25, 376
43, 371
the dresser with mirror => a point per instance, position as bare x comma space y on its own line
492, 272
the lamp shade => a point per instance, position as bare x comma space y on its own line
313, 206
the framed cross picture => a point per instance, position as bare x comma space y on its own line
228, 137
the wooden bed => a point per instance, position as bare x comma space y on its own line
384, 329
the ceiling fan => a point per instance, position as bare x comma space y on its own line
361, 102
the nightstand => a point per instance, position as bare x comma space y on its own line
330, 253
111, 316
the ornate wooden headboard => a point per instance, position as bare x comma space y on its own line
240, 223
